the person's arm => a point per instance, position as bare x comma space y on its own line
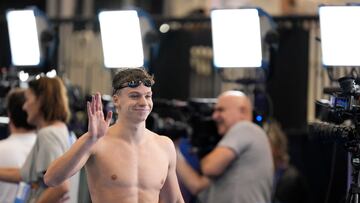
75, 158
191, 179
10, 175
54, 194
215, 163
170, 192
69, 163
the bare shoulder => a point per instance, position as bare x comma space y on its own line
162, 140
99, 145
166, 145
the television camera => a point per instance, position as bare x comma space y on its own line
342, 108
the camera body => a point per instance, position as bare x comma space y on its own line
342, 106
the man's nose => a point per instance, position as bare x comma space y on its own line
214, 115
143, 101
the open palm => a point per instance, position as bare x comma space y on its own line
98, 126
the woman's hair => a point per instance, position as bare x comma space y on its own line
278, 141
53, 99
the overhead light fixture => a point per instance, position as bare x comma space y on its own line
340, 35
236, 38
121, 39
23, 36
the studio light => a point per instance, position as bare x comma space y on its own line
340, 35
23, 36
121, 39
4, 120
51, 74
236, 38
23, 76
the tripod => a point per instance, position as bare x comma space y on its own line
354, 190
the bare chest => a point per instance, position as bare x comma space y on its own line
144, 167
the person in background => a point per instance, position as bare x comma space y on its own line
125, 162
15, 148
46, 105
240, 167
289, 184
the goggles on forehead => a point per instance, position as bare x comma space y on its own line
135, 83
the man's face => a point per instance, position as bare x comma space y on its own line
134, 104
32, 107
228, 111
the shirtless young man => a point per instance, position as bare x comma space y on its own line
125, 162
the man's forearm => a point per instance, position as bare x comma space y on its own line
70, 163
10, 175
54, 194
193, 181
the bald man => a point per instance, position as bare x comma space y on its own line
240, 168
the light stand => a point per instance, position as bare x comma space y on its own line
353, 147
339, 43
353, 194
244, 38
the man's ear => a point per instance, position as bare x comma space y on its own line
116, 100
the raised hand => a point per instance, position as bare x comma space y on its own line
98, 126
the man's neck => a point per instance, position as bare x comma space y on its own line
42, 123
132, 132
17, 131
